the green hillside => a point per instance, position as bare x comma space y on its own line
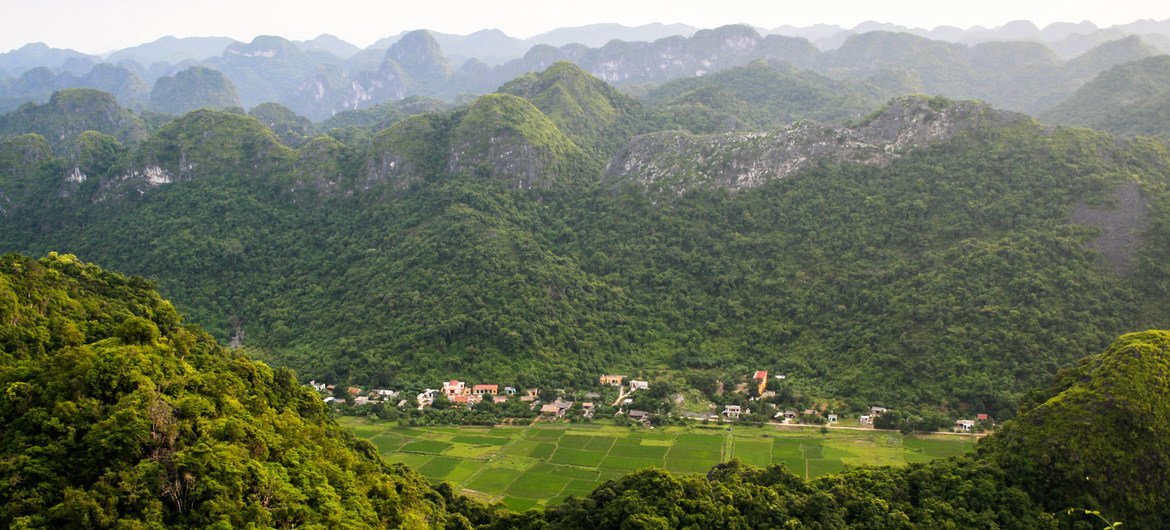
1098, 437
117, 414
69, 113
595, 115
966, 262
1133, 98
761, 96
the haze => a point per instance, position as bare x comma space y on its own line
98, 27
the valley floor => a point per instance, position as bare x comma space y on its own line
541, 464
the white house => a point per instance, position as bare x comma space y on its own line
639, 385
865, 420
964, 425
732, 411
385, 393
832, 418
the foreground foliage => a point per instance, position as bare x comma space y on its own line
118, 414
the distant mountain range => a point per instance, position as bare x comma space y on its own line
1018, 66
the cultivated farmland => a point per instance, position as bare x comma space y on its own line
540, 465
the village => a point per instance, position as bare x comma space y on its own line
633, 403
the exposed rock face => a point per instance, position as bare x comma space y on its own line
676, 162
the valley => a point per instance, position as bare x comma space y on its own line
603, 277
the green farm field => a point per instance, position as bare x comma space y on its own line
540, 465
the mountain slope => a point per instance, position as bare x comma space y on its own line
1132, 98
69, 113
194, 88
117, 414
1098, 436
595, 115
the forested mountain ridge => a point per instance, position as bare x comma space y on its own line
118, 414
488, 239
677, 162
1131, 98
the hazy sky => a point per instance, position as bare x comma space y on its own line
97, 26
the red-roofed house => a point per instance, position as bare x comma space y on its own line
981, 417
480, 390
761, 380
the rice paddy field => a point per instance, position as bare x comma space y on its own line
542, 464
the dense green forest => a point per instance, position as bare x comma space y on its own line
481, 242
119, 414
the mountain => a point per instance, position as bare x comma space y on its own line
36, 54
122, 414
761, 95
1128, 99
1097, 437
171, 49
194, 88
674, 163
1001, 249
69, 113
490, 46
269, 68
421, 58
597, 35
498, 136
329, 44
593, 114
38, 84
293, 130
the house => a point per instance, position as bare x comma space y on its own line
639, 415
877, 411
790, 414
510, 390
499, 399
587, 409
384, 393
330, 399
563, 405
964, 425
832, 418
638, 385
982, 417
454, 388
402, 404
865, 420
551, 411
480, 390
732, 411
611, 380
530, 394
592, 395
353, 390
460, 399
426, 398
330, 387
320, 387
761, 381
361, 400
768, 394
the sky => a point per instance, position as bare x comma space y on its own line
99, 26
